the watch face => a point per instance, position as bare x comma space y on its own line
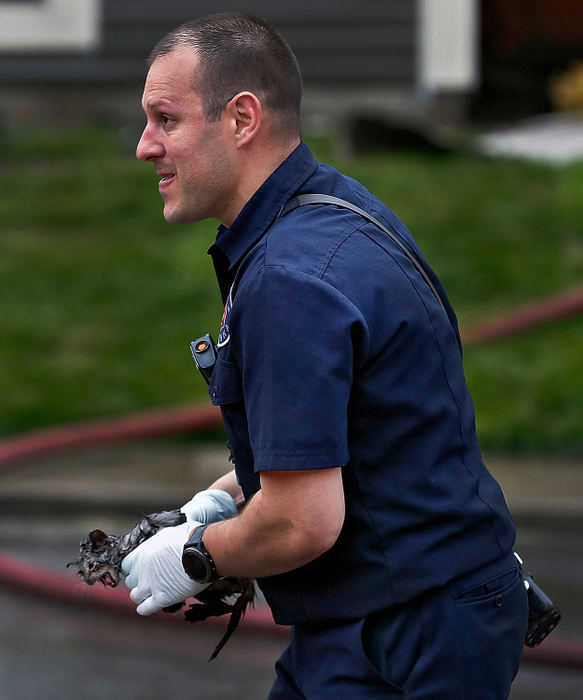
196, 565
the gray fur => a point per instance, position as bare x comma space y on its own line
100, 562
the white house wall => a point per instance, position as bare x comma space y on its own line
448, 32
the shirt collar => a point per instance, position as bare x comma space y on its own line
260, 211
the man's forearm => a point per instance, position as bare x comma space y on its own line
251, 546
274, 533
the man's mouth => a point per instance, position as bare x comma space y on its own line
165, 180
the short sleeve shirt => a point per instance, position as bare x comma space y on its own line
334, 352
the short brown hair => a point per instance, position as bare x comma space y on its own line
239, 52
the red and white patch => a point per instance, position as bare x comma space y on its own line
225, 333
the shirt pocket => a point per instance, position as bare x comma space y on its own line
226, 385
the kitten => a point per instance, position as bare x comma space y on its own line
100, 561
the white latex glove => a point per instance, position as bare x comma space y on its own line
209, 506
154, 571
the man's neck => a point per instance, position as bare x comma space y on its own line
257, 167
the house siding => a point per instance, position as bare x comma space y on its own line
337, 42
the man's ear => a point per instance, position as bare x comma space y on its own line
245, 116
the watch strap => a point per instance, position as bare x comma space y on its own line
194, 547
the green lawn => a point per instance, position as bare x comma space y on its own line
100, 297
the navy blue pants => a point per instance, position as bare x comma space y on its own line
461, 642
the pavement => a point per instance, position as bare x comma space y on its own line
51, 650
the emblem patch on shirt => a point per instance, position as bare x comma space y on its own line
225, 333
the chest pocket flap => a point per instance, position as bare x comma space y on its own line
226, 385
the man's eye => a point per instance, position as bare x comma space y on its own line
166, 121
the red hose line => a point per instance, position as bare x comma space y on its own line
556, 652
31, 580
550, 310
160, 423
26, 579
181, 419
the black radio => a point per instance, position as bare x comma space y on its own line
204, 352
543, 614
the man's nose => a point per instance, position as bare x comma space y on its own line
148, 147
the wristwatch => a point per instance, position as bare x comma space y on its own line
196, 559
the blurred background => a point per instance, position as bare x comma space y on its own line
464, 116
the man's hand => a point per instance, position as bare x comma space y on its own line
209, 506
154, 571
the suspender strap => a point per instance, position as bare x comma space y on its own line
304, 199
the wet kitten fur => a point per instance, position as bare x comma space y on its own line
100, 561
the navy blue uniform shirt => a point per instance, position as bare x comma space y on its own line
334, 352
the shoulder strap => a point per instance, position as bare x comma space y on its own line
304, 199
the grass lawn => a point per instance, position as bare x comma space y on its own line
99, 297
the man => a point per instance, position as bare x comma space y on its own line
366, 513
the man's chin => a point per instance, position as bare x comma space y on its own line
178, 216
174, 216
